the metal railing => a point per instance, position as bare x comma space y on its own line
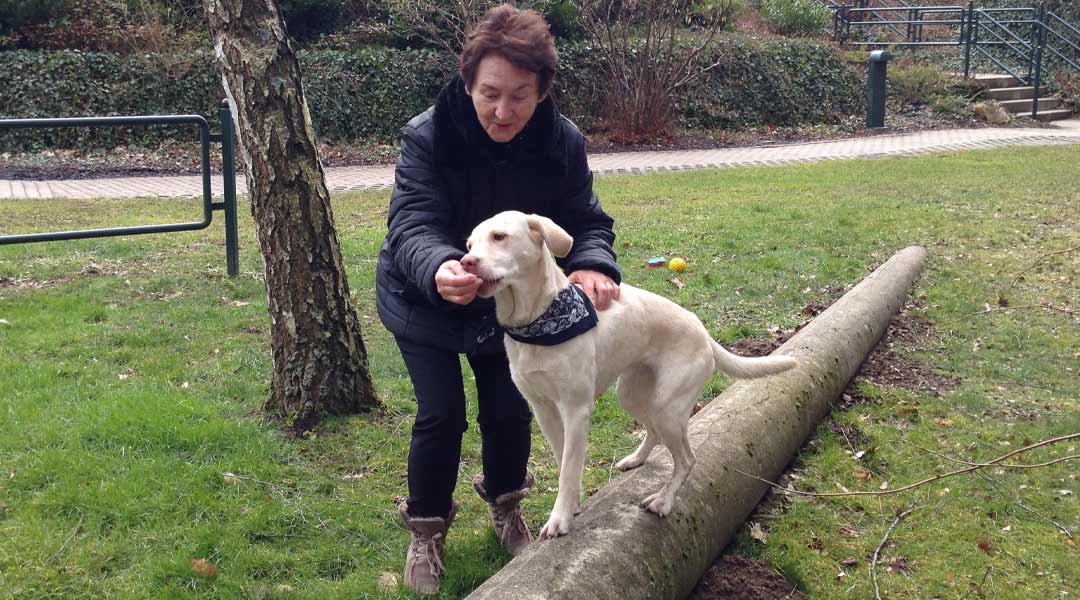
1020, 41
228, 205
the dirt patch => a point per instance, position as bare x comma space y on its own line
884, 366
736, 577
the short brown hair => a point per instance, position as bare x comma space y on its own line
522, 37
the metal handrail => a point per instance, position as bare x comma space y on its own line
209, 206
980, 25
1029, 34
1067, 24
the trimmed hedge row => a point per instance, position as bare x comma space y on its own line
371, 93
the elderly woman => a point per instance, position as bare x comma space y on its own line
493, 141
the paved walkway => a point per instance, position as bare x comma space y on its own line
342, 179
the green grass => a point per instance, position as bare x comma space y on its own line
132, 370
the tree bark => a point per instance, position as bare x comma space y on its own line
319, 359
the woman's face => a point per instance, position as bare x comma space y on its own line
504, 96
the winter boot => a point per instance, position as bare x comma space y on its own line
505, 514
423, 563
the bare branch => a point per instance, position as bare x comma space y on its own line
1036, 263
648, 57
877, 552
968, 469
989, 310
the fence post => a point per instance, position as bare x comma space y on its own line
842, 24
1040, 41
966, 38
228, 172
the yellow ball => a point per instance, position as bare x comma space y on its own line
677, 264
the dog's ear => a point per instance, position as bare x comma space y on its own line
543, 228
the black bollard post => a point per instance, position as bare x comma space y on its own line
875, 89
228, 172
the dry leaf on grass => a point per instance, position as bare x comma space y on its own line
757, 532
203, 568
388, 582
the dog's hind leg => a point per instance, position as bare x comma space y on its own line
675, 394
635, 389
673, 434
639, 456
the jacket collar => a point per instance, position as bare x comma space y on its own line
459, 139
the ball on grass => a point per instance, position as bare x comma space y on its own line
677, 264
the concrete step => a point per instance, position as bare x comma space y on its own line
1049, 115
1009, 93
1020, 106
997, 81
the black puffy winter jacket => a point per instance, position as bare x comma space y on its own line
450, 177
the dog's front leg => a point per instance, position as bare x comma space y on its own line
547, 415
576, 417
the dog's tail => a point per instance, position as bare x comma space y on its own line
741, 367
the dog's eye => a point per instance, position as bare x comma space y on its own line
498, 237
468, 245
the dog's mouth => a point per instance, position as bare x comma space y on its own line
488, 287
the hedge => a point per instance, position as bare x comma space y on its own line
370, 94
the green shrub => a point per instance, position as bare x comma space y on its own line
777, 82
796, 17
371, 93
366, 94
1068, 86
917, 83
308, 19
564, 19
949, 104
18, 13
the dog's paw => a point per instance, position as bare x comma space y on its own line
630, 462
557, 525
658, 504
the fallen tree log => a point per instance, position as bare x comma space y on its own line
619, 551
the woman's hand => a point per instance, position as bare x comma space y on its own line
454, 284
600, 288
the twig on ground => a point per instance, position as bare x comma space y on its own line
988, 310
1063, 528
287, 491
70, 537
981, 582
1002, 465
968, 469
1042, 257
877, 552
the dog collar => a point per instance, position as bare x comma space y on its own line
570, 314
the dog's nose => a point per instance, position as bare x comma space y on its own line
470, 263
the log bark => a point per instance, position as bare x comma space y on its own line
319, 359
619, 551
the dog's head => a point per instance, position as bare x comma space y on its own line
509, 246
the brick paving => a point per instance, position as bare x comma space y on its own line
341, 179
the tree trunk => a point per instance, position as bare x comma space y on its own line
617, 550
320, 363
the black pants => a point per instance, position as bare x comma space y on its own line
435, 451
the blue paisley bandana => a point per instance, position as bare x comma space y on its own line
570, 315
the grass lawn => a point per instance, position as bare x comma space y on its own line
132, 369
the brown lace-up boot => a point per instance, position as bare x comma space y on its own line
423, 563
505, 514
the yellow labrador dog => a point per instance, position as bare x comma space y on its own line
660, 353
